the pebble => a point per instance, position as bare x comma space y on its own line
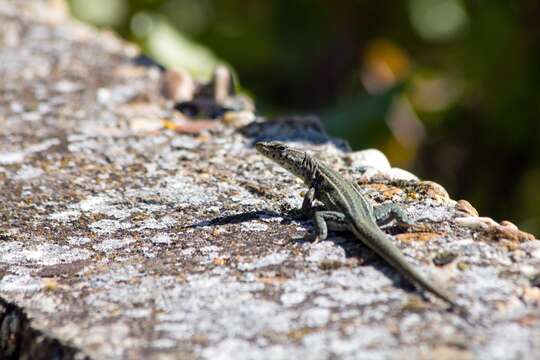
141, 124
178, 85
369, 158
435, 191
400, 174
466, 207
476, 223
238, 119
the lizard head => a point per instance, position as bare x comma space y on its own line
294, 160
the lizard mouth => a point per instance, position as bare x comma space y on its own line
260, 147
269, 148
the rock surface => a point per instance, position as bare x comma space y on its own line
120, 238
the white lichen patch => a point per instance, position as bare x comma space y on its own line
245, 198
46, 254
373, 339
108, 226
16, 157
185, 142
103, 204
253, 226
153, 224
357, 297
485, 283
184, 192
292, 298
65, 216
234, 348
366, 278
326, 251
316, 317
509, 341
532, 248
272, 259
161, 239
27, 172
94, 203
230, 307
20, 283
99, 204
113, 244
78, 240
209, 253
11, 158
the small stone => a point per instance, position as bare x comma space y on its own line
369, 158
435, 191
466, 207
238, 119
145, 125
509, 225
476, 223
238, 104
223, 83
178, 85
400, 174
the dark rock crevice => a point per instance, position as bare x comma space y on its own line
18, 340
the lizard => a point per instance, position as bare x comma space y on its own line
347, 209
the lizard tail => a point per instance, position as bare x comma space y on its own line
384, 247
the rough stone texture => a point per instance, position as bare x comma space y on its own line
125, 242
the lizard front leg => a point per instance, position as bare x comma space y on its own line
307, 203
385, 213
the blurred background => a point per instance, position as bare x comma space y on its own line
448, 89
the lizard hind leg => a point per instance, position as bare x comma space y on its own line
324, 220
385, 213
